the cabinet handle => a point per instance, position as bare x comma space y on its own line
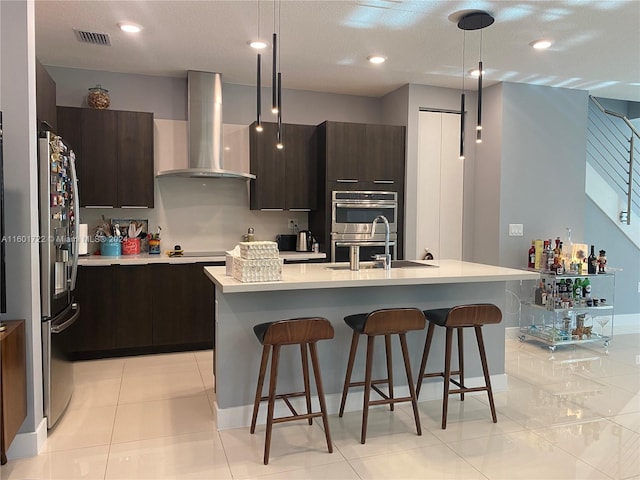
98, 206
384, 181
347, 180
272, 209
133, 206
299, 209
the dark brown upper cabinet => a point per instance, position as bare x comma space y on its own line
358, 156
45, 98
114, 151
285, 179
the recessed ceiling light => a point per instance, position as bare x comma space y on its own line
474, 72
377, 59
257, 44
129, 27
541, 44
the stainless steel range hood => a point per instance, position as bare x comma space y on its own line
205, 130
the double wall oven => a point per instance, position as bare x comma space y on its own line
352, 214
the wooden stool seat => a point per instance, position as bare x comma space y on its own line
459, 317
387, 322
296, 331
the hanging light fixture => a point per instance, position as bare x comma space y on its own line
259, 82
274, 71
462, 97
477, 20
279, 142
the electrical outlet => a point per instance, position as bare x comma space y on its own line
292, 224
637, 359
516, 229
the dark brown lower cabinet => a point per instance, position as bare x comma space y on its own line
13, 383
183, 301
133, 309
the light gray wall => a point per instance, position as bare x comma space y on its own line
18, 103
621, 253
485, 211
543, 147
166, 97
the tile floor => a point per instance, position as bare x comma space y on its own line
573, 414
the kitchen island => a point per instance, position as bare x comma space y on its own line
334, 291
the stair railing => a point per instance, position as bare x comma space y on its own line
625, 216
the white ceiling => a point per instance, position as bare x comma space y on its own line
325, 44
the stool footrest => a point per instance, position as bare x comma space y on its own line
285, 398
438, 374
373, 382
388, 401
468, 389
303, 416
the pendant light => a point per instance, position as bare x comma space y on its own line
259, 82
274, 70
462, 98
279, 140
477, 20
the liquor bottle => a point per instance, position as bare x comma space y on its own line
545, 256
592, 262
557, 251
532, 255
549, 257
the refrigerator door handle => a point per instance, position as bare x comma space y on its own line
76, 222
58, 328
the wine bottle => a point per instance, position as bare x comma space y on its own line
532, 255
592, 262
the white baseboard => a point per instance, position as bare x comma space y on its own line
28, 444
236, 417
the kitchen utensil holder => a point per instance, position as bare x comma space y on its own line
111, 246
131, 246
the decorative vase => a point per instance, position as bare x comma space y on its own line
98, 97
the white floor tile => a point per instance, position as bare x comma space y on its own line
628, 420
436, 462
605, 445
94, 370
294, 446
191, 456
157, 364
99, 393
386, 432
88, 427
158, 386
162, 418
333, 471
83, 463
522, 455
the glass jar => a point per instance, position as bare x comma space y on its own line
98, 97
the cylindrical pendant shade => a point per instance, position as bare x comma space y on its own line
462, 126
259, 94
280, 143
274, 82
479, 126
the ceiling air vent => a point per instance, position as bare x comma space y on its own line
93, 37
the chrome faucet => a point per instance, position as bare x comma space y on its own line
385, 259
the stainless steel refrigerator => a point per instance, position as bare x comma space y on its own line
58, 205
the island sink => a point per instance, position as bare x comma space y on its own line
394, 264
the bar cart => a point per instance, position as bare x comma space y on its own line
569, 309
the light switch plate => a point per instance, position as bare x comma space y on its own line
516, 229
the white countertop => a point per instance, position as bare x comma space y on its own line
321, 275
145, 258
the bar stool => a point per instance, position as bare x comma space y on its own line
296, 331
457, 318
385, 322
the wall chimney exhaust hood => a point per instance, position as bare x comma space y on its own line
204, 91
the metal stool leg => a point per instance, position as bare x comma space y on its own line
256, 402
323, 406
347, 378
